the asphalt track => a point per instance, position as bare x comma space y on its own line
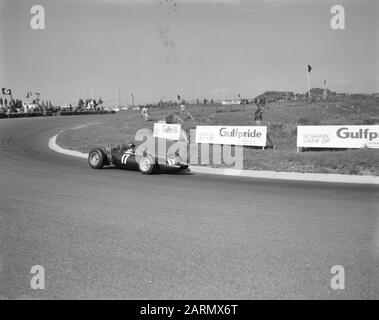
119, 234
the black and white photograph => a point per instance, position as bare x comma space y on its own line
189, 155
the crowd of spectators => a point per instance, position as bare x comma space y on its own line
10, 105
16, 106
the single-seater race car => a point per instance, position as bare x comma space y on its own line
124, 157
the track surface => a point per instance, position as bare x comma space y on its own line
120, 234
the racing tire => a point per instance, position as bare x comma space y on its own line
146, 165
96, 158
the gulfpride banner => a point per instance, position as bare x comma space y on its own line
338, 136
232, 135
167, 131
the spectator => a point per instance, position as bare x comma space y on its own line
80, 104
145, 114
258, 115
90, 105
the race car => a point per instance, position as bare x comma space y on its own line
124, 157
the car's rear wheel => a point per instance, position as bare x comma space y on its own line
146, 165
96, 158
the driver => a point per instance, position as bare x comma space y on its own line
128, 147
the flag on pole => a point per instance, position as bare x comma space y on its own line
309, 68
6, 91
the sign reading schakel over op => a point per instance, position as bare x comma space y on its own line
338, 137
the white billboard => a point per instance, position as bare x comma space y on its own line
338, 137
232, 135
167, 131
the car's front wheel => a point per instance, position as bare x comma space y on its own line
146, 165
96, 158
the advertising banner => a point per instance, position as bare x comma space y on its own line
232, 135
338, 137
167, 131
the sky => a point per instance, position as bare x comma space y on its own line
157, 49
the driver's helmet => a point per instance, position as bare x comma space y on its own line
130, 145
